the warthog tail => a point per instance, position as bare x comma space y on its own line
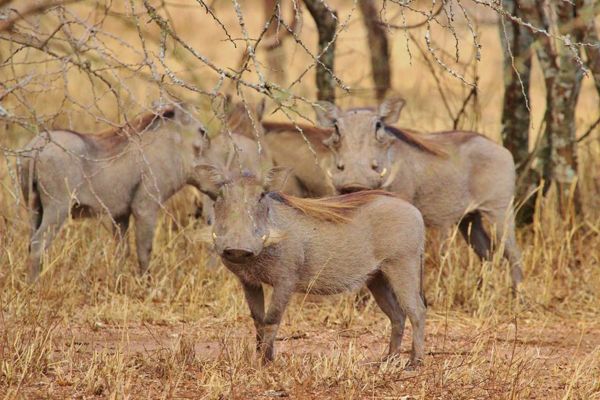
421, 289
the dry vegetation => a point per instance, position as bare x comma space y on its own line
92, 329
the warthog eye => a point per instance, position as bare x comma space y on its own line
378, 125
336, 136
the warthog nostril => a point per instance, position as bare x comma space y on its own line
375, 165
237, 255
340, 166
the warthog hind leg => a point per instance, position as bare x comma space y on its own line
471, 228
504, 223
386, 300
402, 276
52, 219
120, 230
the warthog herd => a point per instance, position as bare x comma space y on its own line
270, 204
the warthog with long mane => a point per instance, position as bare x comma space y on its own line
451, 177
133, 169
321, 246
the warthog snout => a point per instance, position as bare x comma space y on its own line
238, 256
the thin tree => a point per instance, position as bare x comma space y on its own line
378, 47
326, 21
562, 76
276, 34
516, 41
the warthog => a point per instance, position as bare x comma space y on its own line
319, 246
130, 170
451, 177
287, 148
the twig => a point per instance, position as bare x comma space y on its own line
418, 24
472, 93
589, 130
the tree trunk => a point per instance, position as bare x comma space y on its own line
516, 42
562, 77
276, 52
565, 93
326, 22
378, 47
587, 11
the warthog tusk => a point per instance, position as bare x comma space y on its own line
328, 173
382, 174
391, 176
274, 237
214, 235
264, 237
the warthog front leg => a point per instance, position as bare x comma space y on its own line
145, 224
386, 300
280, 298
256, 302
404, 276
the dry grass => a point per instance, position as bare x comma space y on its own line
92, 329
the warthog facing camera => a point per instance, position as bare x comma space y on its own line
319, 246
451, 177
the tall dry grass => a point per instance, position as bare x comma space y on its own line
92, 329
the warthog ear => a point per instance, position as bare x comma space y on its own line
389, 110
276, 178
327, 113
214, 178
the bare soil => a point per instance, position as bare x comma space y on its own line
553, 349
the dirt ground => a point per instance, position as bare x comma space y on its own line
499, 357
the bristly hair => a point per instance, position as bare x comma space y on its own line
336, 209
114, 137
423, 144
314, 134
239, 121
309, 130
140, 123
